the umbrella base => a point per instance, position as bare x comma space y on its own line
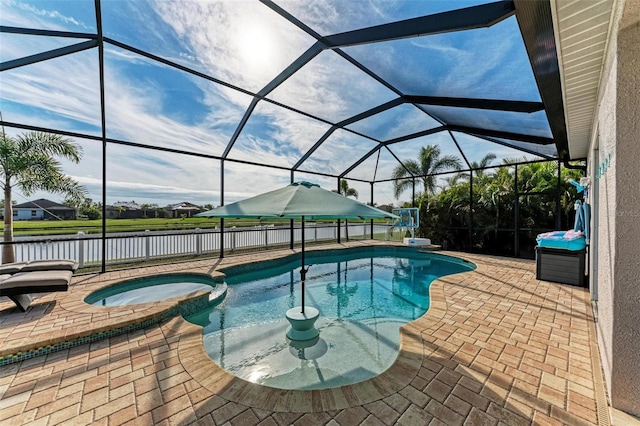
302, 324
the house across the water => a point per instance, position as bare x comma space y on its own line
42, 209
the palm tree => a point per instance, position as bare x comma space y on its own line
346, 190
479, 167
27, 162
486, 161
429, 163
496, 194
451, 181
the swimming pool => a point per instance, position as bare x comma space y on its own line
150, 289
363, 296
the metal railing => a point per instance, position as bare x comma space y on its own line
132, 247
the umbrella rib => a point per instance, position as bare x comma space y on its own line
287, 203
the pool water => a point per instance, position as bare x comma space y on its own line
363, 299
150, 289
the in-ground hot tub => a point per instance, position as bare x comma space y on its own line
152, 289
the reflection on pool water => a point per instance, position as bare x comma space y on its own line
150, 289
363, 298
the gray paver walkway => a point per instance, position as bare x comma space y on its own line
496, 347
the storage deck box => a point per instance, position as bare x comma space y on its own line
561, 266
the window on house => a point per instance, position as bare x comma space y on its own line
34, 213
15, 213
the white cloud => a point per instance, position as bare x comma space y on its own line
287, 136
243, 43
428, 43
134, 112
336, 16
14, 46
327, 87
69, 88
22, 14
243, 181
145, 192
331, 88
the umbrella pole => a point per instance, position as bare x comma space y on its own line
302, 323
303, 272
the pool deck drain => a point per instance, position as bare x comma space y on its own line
497, 346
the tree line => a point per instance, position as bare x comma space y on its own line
92, 210
487, 220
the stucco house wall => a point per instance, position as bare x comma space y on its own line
614, 168
27, 214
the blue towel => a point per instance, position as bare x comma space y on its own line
578, 224
583, 218
586, 215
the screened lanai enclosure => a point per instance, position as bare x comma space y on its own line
210, 102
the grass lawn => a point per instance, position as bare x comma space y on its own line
61, 227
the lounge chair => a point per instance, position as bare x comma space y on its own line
19, 280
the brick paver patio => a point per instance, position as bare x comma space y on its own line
496, 347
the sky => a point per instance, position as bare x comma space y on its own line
245, 45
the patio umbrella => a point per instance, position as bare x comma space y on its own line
300, 200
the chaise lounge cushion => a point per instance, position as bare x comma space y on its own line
50, 265
39, 265
35, 282
12, 268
